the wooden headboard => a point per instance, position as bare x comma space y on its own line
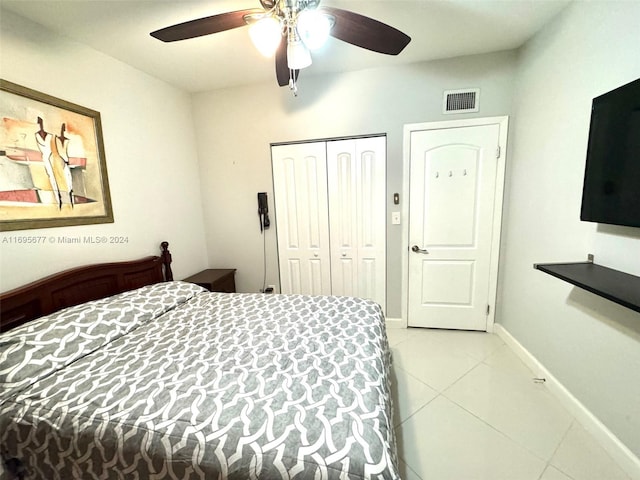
79, 285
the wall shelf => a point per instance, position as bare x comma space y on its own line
619, 287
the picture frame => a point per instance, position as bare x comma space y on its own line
53, 170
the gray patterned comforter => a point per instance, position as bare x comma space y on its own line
170, 381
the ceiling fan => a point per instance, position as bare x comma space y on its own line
290, 29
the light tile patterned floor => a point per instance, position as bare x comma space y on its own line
466, 408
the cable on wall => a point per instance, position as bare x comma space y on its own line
264, 259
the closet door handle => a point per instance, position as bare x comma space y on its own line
417, 249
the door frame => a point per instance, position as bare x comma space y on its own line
503, 122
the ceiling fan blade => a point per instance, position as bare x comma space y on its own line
204, 26
366, 32
282, 66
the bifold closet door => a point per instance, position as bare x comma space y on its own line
302, 218
331, 217
356, 172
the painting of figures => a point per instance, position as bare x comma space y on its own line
52, 166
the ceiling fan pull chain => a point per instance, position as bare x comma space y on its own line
292, 83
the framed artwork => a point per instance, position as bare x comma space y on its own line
53, 171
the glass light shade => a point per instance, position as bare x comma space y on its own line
313, 28
298, 56
266, 35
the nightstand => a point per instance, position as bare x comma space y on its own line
215, 279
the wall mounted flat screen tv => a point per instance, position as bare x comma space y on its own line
611, 190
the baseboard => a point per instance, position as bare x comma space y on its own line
396, 323
624, 457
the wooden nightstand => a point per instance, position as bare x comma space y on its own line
215, 280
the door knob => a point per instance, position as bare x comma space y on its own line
417, 249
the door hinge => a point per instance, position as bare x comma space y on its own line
488, 309
498, 151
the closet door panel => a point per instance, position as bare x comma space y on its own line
372, 235
342, 176
292, 280
356, 171
300, 195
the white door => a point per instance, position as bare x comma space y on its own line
300, 195
451, 225
356, 171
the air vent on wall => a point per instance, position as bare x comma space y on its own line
461, 101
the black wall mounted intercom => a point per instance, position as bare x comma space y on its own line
263, 211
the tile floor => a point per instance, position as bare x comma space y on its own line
466, 408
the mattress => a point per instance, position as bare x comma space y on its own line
172, 381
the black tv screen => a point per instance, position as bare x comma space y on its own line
611, 191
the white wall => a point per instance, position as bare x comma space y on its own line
236, 126
149, 149
588, 343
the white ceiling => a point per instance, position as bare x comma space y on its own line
439, 29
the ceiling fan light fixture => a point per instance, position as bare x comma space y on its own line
266, 35
313, 28
298, 56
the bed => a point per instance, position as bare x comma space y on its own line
169, 380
